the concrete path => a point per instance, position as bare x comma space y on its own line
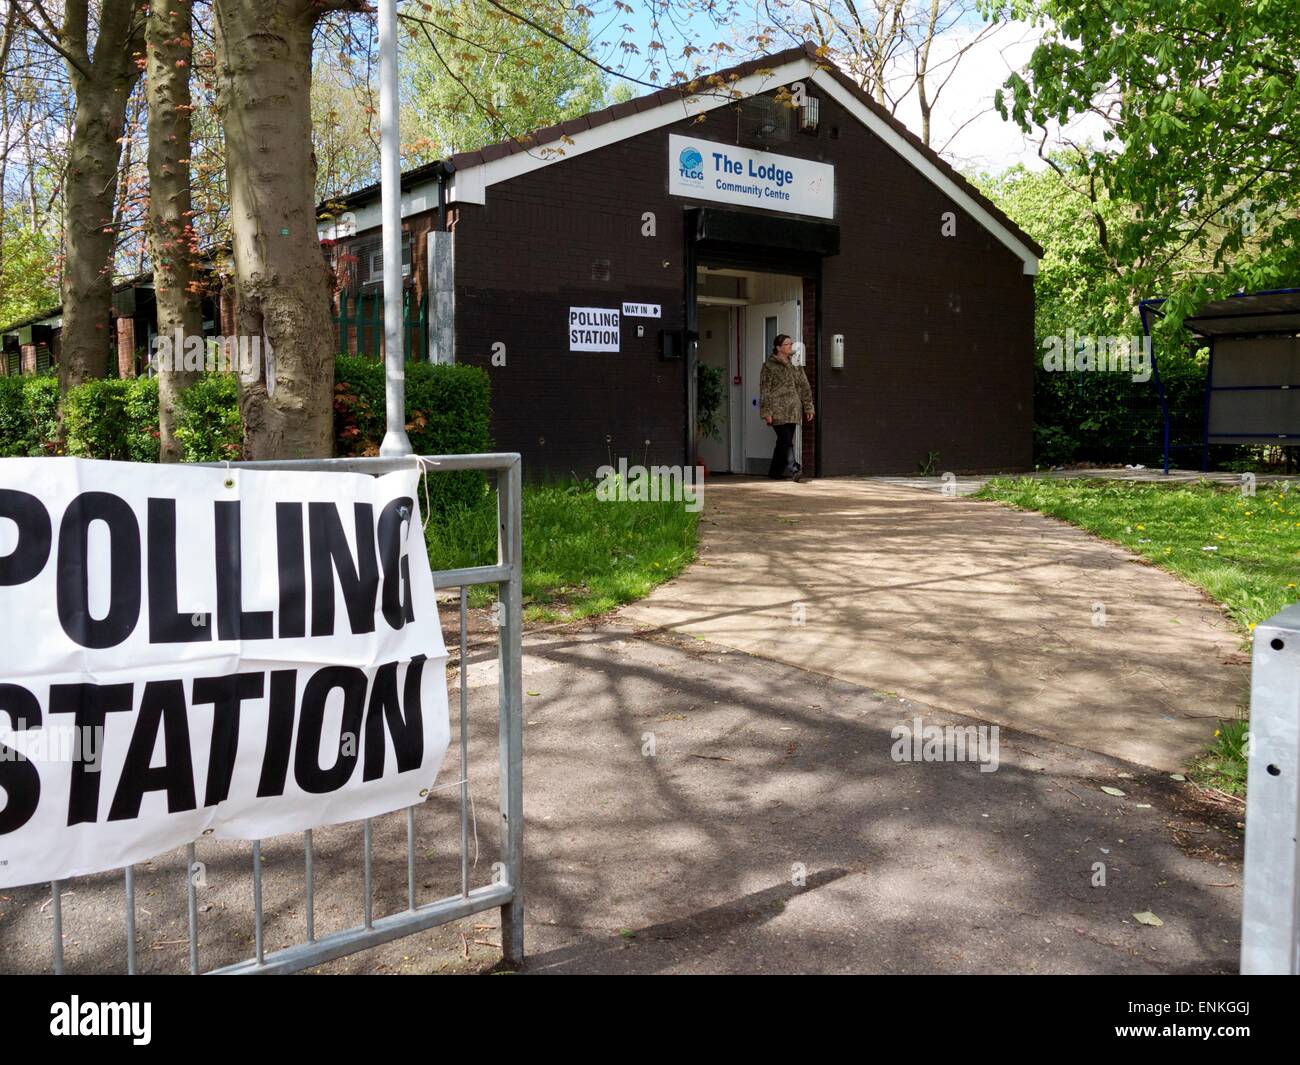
968, 484
692, 809
966, 605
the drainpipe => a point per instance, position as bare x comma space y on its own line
444, 172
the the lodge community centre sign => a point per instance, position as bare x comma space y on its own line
221, 653
725, 173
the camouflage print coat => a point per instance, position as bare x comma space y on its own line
783, 392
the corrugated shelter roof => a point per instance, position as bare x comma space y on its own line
1262, 312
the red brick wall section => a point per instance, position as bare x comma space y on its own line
809, 327
125, 347
228, 311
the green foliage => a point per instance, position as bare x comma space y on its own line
27, 269
1225, 765
448, 410
28, 415
708, 399
1095, 416
1200, 100
486, 75
207, 421
113, 419
1190, 194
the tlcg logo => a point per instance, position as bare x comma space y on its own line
690, 164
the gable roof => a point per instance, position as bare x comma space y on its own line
473, 172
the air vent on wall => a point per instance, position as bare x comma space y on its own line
763, 122
600, 270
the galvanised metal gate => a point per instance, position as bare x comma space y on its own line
505, 891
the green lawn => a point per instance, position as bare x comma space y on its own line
1242, 550
582, 556
1253, 568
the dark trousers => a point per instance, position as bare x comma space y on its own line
784, 463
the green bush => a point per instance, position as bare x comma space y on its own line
447, 410
28, 415
113, 419
207, 422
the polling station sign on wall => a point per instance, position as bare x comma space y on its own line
724, 173
191, 653
594, 328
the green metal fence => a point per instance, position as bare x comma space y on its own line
359, 324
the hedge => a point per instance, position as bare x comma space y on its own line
208, 428
28, 416
113, 419
448, 412
448, 409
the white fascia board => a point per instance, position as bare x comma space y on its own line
471, 184
903, 147
417, 200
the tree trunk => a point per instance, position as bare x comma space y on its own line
103, 85
282, 282
170, 50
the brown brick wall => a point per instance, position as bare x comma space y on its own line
938, 330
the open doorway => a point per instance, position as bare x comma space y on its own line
739, 315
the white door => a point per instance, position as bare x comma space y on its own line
715, 349
763, 321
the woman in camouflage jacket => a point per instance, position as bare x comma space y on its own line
783, 393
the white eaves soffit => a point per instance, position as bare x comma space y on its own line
470, 184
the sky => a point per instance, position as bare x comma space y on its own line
964, 127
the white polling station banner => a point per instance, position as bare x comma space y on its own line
191, 652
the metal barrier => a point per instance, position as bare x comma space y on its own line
505, 894
1270, 910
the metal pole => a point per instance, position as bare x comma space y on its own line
510, 553
395, 440
1270, 904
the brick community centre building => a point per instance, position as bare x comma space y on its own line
590, 267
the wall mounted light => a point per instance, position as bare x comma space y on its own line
837, 351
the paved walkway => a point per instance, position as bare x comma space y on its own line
691, 809
966, 605
967, 484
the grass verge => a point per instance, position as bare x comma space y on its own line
582, 556
1243, 551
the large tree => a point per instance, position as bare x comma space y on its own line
169, 45
103, 75
35, 106
478, 72
1197, 102
264, 64
888, 46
